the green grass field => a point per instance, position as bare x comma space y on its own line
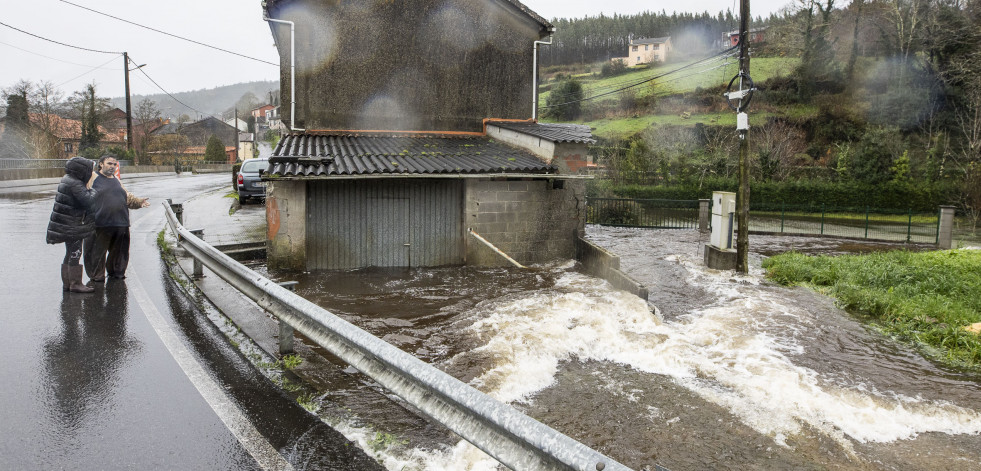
925, 298
685, 81
702, 75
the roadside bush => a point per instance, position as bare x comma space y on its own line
564, 102
613, 68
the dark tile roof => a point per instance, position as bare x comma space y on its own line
579, 133
346, 154
651, 40
169, 128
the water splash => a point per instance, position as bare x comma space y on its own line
729, 353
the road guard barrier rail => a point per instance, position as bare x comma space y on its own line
514, 439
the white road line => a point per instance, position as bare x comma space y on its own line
229, 413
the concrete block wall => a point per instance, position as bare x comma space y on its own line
532, 220
569, 157
286, 221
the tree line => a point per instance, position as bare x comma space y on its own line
601, 38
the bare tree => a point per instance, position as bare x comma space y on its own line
147, 119
777, 146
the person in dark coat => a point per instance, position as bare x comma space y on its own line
71, 220
109, 252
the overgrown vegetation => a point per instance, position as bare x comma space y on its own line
925, 298
865, 97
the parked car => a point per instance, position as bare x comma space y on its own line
249, 185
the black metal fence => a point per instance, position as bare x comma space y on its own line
817, 220
855, 223
661, 214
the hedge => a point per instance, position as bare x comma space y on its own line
891, 195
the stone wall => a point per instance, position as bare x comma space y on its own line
532, 220
286, 224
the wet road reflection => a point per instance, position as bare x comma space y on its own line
84, 360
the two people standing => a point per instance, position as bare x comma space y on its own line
91, 217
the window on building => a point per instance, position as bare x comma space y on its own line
638, 59
647, 46
657, 46
635, 49
68, 147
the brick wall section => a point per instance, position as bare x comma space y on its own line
571, 157
528, 219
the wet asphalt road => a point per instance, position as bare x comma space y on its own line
133, 376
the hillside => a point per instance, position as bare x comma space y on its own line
213, 100
687, 96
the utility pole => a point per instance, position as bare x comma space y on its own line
742, 126
129, 106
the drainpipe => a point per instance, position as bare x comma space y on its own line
534, 74
265, 16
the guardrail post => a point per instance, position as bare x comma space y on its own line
945, 231
198, 268
703, 215
178, 209
286, 330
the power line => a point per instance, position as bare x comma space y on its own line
169, 34
625, 84
93, 69
57, 42
168, 93
53, 58
641, 82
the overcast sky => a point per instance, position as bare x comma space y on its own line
177, 65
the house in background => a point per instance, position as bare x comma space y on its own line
246, 145
239, 124
50, 136
408, 145
647, 51
756, 36
198, 132
260, 112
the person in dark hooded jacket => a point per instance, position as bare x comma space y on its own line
71, 220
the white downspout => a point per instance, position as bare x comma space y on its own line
266, 17
534, 74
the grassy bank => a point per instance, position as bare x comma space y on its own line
923, 298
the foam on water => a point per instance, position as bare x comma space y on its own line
722, 352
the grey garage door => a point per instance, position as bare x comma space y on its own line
384, 223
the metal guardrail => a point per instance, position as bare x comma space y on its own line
514, 439
31, 163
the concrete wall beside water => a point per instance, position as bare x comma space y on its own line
531, 220
600, 263
286, 229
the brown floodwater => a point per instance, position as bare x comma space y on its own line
715, 371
